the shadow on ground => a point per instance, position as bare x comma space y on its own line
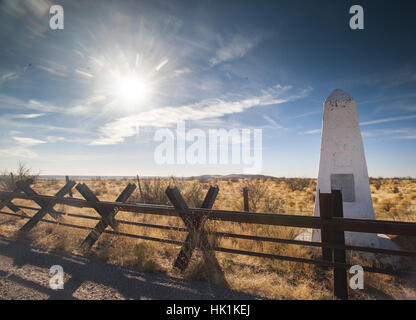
24, 274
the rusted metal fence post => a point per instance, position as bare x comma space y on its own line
197, 236
70, 191
140, 189
245, 195
102, 225
325, 208
7, 201
46, 206
105, 212
191, 222
338, 237
330, 205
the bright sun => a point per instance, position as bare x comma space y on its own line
132, 88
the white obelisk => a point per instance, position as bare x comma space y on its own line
342, 165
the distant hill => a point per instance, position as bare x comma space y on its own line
201, 177
229, 176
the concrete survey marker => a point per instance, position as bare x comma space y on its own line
342, 166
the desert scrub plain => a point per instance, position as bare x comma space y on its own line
393, 199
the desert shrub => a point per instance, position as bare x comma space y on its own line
256, 193
192, 192
101, 190
260, 198
404, 209
52, 182
227, 264
274, 205
376, 183
197, 271
153, 191
8, 179
205, 186
144, 254
312, 184
387, 205
297, 184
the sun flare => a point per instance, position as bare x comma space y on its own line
132, 88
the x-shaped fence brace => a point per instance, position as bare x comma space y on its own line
7, 202
108, 215
46, 205
197, 236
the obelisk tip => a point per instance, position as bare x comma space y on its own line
338, 95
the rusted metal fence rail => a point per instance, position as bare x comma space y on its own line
344, 224
331, 223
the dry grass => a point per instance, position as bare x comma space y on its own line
393, 199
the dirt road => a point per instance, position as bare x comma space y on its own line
24, 274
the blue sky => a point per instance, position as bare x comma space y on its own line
215, 64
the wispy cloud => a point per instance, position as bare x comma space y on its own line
11, 103
84, 73
306, 114
51, 70
390, 132
8, 77
402, 133
314, 131
84, 107
116, 131
4, 122
182, 71
19, 152
28, 115
54, 139
28, 141
273, 122
22, 150
366, 123
236, 47
43, 106
15, 132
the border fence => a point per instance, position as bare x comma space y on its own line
331, 223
